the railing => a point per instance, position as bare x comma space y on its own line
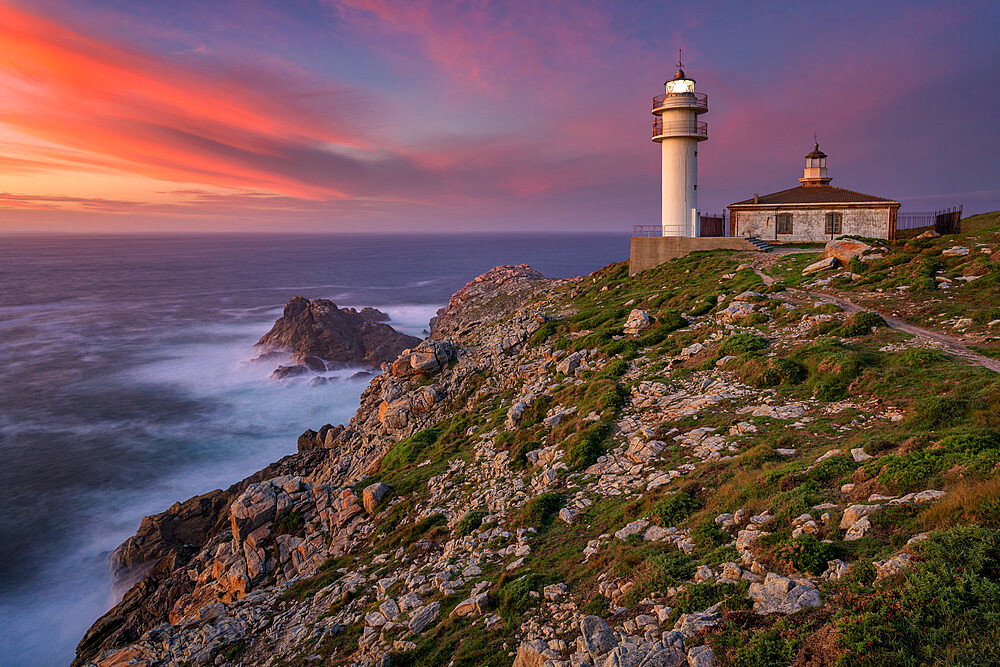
647, 230
700, 99
679, 128
918, 219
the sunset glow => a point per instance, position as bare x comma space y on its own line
367, 115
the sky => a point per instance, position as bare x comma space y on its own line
379, 116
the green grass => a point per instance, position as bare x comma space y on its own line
807, 554
740, 343
539, 511
292, 523
673, 509
470, 522
944, 610
976, 453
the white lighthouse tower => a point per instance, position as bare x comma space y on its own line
677, 129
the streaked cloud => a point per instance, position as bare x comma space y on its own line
372, 114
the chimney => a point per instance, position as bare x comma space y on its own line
756, 199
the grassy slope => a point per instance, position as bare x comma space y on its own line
904, 281
944, 610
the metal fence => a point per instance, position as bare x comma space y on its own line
711, 225
647, 230
945, 221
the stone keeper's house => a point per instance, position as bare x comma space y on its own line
814, 211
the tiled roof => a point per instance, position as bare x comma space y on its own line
816, 194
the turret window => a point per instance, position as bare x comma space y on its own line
833, 223
784, 221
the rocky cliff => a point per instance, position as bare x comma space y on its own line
693, 466
320, 336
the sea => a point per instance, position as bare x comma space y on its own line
126, 383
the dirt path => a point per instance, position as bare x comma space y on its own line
952, 344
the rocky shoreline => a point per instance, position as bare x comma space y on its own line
521, 487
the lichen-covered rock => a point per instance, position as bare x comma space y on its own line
782, 595
845, 249
488, 295
373, 495
424, 617
824, 264
638, 320
735, 312
597, 636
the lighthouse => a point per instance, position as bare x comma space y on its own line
678, 131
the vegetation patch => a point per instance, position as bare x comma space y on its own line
807, 554
741, 343
538, 511
470, 522
944, 610
976, 453
292, 523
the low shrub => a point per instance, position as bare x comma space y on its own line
472, 520
513, 598
597, 606
543, 333
986, 315
292, 523
409, 450
919, 357
535, 412
861, 324
661, 571
699, 597
832, 468
538, 511
936, 412
520, 459
625, 347
942, 611
771, 371
740, 646
674, 508
978, 453
740, 343
707, 535
832, 367
590, 445
410, 535
615, 369
807, 554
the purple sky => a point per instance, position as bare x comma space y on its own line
368, 115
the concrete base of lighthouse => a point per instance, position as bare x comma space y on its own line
649, 251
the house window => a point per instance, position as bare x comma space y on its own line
833, 221
784, 223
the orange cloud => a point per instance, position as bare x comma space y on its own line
116, 107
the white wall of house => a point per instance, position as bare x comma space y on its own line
809, 224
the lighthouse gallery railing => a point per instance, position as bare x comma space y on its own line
700, 98
679, 128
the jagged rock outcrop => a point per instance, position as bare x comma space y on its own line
158, 557
320, 336
498, 291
